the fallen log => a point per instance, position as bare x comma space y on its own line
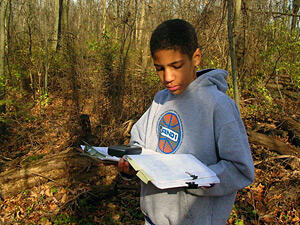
272, 143
294, 161
65, 169
293, 129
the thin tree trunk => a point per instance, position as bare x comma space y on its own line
141, 24
55, 33
142, 36
104, 16
232, 54
3, 6
89, 15
65, 16
8, 22
46, 70
296, 6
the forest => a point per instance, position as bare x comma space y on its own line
80, 71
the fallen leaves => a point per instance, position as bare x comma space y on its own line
34, 204
275, 193
271, 199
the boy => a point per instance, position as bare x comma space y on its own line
199, 119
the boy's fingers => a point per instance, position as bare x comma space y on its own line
121, 165
125, 167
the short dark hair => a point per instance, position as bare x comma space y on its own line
176, 34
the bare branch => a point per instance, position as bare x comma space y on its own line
274, 13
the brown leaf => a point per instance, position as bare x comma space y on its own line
267, 218
47, 222
64, 198
53, 207
48, 192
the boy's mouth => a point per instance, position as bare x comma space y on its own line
173, 88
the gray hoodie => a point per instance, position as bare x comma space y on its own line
205, 122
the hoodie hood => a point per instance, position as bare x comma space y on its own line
209, 77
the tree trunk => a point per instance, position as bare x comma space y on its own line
65, 16
61, 11
46, 70
3, 6
296, 6
142, 37
141, 23
90, 4
104, 16
232, 54
242, 44
55, 33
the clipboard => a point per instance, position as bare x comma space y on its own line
172, 171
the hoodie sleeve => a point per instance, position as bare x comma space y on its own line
235, 167
138, 131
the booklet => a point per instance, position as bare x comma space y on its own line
99, 152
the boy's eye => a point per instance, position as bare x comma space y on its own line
177, 66
159, 68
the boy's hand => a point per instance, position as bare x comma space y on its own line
125, 167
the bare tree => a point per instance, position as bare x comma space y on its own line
65, 15
296, 6
232, 46
104, 16
3, 6
55, 33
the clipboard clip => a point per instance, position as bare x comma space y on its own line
192, 185
194, 177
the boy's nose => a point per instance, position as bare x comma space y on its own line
168, 76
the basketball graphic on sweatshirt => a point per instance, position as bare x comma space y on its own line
169, 132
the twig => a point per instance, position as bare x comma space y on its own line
6, 158
277, 157
48, 178
248, 99
128, 125
274, 13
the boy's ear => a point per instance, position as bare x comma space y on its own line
197, 57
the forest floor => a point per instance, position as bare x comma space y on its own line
273, 198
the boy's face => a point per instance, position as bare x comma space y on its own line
175, 69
